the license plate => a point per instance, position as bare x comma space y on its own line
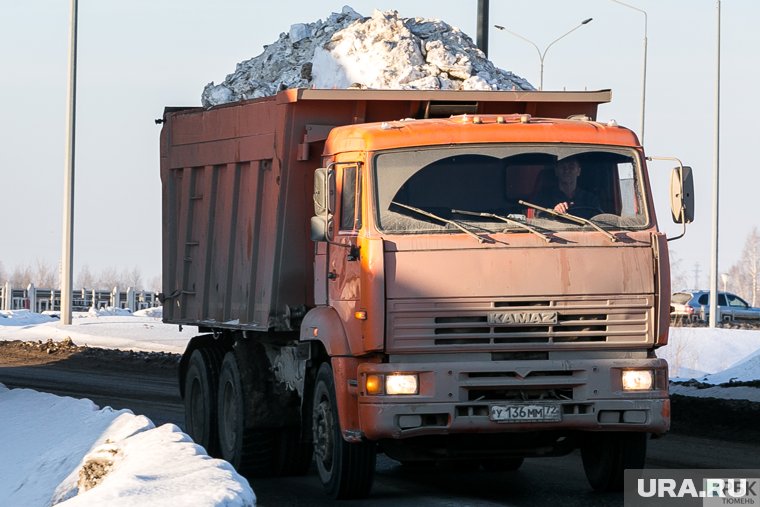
525, 412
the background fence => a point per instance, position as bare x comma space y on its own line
41, 300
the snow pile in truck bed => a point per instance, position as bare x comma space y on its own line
383, 51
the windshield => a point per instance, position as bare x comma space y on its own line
474, 185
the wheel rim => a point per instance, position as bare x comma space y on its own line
323, 438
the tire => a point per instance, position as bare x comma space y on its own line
502, 464
294, 457
201, 380
251, 452
607, 455
345, 469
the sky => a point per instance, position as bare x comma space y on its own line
137, 58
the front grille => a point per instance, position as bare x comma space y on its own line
417, 325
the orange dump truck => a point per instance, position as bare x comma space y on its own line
417, 273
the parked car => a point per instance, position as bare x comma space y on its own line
695, 306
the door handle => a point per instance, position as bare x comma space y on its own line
332, 275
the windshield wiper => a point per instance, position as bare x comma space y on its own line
572, 218
504, 219
445, 221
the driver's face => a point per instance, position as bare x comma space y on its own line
567, 171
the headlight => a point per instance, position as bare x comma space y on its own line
637, 380
397, 383
393, 383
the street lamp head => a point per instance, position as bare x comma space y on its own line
587, 21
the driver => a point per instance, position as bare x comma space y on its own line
565, 193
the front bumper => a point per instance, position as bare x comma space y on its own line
456, 397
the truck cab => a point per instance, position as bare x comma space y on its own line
474, 315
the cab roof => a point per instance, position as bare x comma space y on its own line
476, 129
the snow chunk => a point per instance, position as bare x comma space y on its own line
383, 51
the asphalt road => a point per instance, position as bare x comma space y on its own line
151, 389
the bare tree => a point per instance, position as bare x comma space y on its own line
109, 278
3, 274
751, 262
21, 276
132, 278
744, 276
678, 279
154, 284
85, 278
45, 275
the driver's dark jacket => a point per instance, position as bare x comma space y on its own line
553, 196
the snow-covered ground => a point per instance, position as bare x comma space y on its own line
52, 447
56, 449
68, 452
107, 328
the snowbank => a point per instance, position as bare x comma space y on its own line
23, 318
143, 331
383, 51
699, 352
64, 451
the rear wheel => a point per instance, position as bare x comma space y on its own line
250, 451
201, 380
607, 455
345, 469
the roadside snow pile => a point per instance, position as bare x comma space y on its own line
702, 353
109, 311
23, 318
746, 370
383, 51
155, 312
63, 451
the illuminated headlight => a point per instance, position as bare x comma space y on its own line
394, 383
637, 380
397, 383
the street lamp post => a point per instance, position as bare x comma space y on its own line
716, 186
542, 54
68, 180
644, 70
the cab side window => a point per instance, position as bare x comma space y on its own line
350, 211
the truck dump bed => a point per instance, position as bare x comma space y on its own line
237, 184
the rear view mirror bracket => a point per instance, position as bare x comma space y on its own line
681, 194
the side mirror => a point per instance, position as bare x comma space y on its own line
682, 195
324, 204
318, 228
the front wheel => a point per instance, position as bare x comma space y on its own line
606, 456
346, 470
